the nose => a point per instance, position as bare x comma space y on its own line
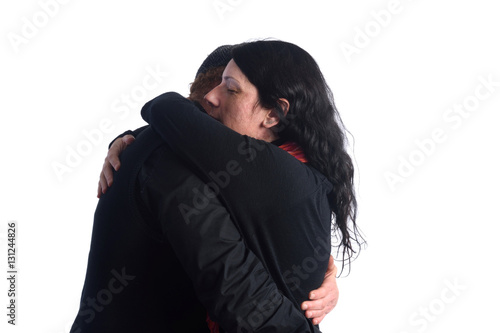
211, 98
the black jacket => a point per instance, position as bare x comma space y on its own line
134, 281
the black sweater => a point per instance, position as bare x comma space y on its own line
279, 204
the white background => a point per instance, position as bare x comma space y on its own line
435, 227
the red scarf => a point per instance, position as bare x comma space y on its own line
295, 150
213, 326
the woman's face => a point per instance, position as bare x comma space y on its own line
235, 103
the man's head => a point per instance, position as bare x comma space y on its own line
209, 75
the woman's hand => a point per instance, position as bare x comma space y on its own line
112, 161
323, 299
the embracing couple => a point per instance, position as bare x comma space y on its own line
218, 215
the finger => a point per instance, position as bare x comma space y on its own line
326, 303
107, 175
114, 151
128, 139
318, 320
319, 293
103, 183
314, 314
113, 157
99, 189
314, 305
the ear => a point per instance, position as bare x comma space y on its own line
272, 117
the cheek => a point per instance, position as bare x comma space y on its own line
237, 113
231, 109
243, 109
241, 118
232, 119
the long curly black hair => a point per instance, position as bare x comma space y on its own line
281, 70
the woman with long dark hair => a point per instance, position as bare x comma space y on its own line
283, 70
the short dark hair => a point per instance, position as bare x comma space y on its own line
205, 82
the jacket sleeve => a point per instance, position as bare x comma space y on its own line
135, 133
230, 281
197, 137
228, 158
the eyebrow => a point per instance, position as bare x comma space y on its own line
225, 78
